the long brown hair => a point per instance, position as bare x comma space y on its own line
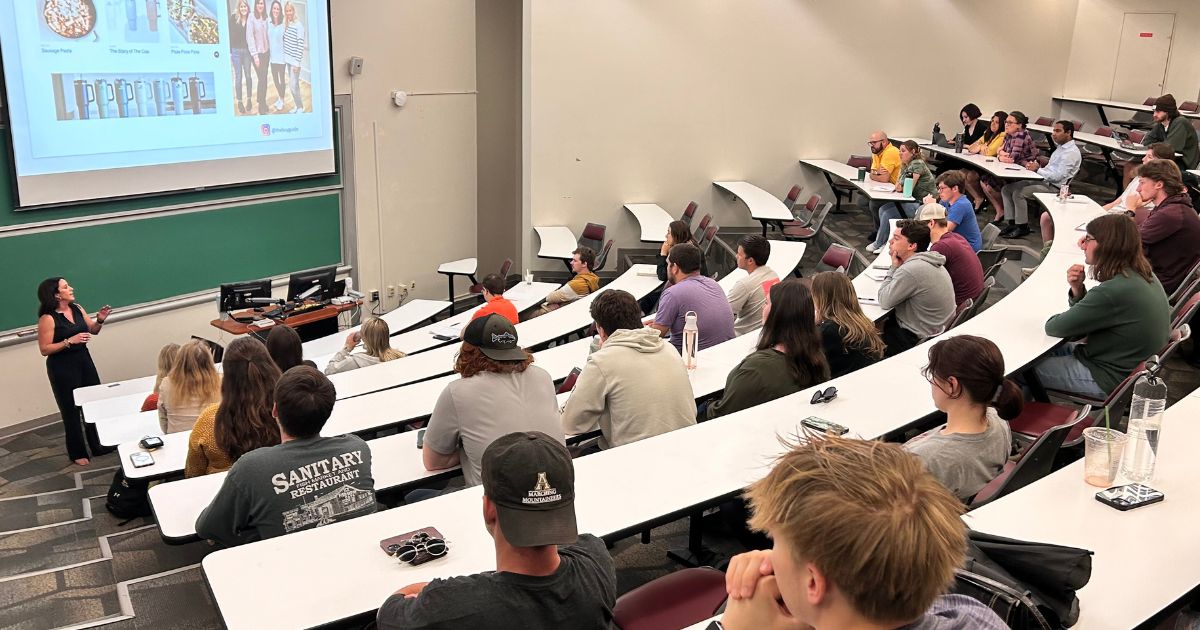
471, 361
835, 301
193, 377
791, 323
1118, 248
244, 421
377, 340
285, 347
978, 366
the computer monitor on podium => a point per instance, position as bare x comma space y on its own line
321, 280
241, 295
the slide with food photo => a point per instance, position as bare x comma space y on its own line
145, 83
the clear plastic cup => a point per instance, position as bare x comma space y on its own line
1102, 455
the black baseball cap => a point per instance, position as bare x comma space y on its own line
530, 478
496, 337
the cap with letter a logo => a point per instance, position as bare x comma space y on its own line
530, 478
496, 337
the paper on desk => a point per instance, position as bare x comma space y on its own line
450, 332
877, 274
884, 188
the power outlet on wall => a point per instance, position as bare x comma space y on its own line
391, 290
374, 295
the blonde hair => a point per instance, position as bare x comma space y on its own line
869, 515
194, 378
836, 301
166, 360
377, 340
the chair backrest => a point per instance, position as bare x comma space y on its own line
989, 234
837, 256
813, 203
962, 312
699, 233
820, 216
505, 268
993, 270
1186, 286
568, 383
792, 196
710, 235
676, 600
1044, 120
989, 257
988, 283
1185, 308
1137, 135
859, 161
602, 257
593, 232
689, 212
1036, 462
1078, 125
1104, 131
1150, 101
1189, 106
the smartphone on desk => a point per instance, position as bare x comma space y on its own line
1129, 496
141, 460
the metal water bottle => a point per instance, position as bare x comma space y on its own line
691, 340
1145, 424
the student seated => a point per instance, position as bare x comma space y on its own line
1018, 148
242, 421
500, 391
584, 282
962, 263
914, 166
787, 359
987, 145
494, 300
1169, 228
376, 340
634, 386
848, 337
692, 292
966, 376
303, 482
918, 289
547, 574
960, 214
974, 127
1058, 172
189, 389
166, 360
285, 348
677, 232
1111, 327
746, 298
839, 510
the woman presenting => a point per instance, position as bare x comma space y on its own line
64, 329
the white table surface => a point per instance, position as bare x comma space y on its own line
763, 205
127, 428
703, 625
522, 296
653, 220
92, 393
464, 267
168, 460
784, 259
850, 174
1133, 107
1094, 140
1145, 558
1195, 171
557, 241
409, 314
987, 164
96, 410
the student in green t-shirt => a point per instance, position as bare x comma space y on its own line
914, 166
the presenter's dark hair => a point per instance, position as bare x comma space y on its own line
48, 295
303, 401
244, 421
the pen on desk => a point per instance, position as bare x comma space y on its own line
868, 300
1011, 168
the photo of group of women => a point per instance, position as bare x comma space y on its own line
268, 49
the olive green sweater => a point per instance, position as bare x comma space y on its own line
761, 377
1124, 319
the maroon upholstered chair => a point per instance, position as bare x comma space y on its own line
838, 257
1036, 462
676, 600
689, 213
805, 233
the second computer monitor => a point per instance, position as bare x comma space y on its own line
303, 281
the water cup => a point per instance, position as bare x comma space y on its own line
1102, 455
862, 174
528, 277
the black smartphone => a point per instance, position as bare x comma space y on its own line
421, 438
141, 460
1130, 496
151, 442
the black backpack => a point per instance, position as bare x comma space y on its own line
127, 498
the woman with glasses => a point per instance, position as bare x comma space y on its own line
1018, 148
914, 166
988, 145
1111, 327
966, 378
788, 357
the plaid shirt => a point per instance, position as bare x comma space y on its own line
1020, 147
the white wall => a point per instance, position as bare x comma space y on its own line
652, 100
426, 167
1098, 30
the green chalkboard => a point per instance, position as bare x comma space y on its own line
253, 231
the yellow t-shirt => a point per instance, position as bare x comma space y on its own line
888, 158
990, 149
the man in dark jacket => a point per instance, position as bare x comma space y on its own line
1170, 230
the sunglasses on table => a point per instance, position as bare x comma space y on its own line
822, 396
415, 546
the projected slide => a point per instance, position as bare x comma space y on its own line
113, 98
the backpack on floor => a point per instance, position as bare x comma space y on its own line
127, 498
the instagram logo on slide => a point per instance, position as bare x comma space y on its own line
266, 129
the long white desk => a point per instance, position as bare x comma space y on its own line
877, 191
1103, 142
557, 241
1002, 170
784, 261
1101, 103
737, 450
653, 220
93, 393
763, 206
128, 428
398, 320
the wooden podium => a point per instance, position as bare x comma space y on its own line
311, 324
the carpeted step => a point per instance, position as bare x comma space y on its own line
41, 510
59, 598
142, 552
48, 548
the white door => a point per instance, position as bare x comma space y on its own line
1142, 56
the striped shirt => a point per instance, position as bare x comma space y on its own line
293, 44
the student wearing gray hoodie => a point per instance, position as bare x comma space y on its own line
918, 289
635, 385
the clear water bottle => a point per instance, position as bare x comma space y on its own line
691, 340
1145, 424
1064, 192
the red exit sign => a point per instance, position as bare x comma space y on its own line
1145, 34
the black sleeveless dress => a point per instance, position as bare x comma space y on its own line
70, 369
